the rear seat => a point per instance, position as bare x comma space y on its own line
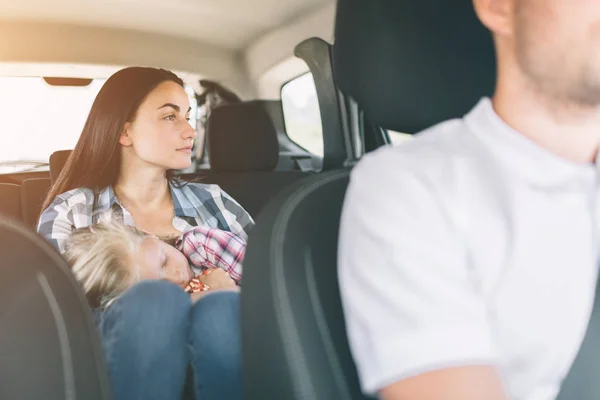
244, 152
33, 193
10, 200
24, 201
58, 159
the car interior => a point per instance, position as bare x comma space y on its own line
323, 82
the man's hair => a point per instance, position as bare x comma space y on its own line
100, 256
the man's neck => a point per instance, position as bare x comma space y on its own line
565, 128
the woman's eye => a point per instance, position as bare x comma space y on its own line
187, 119
170, 117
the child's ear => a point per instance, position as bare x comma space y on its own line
125, 138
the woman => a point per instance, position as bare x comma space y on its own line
137, 134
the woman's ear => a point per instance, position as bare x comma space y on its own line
125, 138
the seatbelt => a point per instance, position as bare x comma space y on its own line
583, 380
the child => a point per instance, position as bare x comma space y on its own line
109, 257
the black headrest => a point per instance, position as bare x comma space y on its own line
274, 109
412, 63
241, 137
58, 159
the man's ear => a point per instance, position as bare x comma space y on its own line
496, 15
125, 138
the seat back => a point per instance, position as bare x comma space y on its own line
58, 159
244, 153
293, 333
50, 346
10, 200
33, 193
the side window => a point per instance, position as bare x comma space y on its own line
193, 104
398, 138
301, 113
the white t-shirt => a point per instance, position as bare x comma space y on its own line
469, 245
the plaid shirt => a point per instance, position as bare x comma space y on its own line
195, 204
207, 247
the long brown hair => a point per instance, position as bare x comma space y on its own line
96, 160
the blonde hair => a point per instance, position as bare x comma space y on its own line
100, 256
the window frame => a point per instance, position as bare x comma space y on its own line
292, 141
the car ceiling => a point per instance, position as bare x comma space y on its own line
232, 24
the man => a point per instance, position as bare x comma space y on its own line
468, 257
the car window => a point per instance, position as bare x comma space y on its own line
302, 114
37, 119
398, 138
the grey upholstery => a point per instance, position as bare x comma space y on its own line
252, 189
50, 347
411, 64
242, 137
293, 331
244, 154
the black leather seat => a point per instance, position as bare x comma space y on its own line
50, 347
244, 152
10, 200
408, 64
33, 193
294, 342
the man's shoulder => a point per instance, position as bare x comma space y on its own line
433, 151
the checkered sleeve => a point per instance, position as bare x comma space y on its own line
243, 222
207, 247
68, 211
56, 223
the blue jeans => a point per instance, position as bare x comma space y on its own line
153, 332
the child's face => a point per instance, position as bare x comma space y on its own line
158, 260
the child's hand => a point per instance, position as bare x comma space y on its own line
198, 295
217, 279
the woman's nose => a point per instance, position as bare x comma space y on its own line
189, 132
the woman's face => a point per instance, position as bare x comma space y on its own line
160, 135
157, 260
